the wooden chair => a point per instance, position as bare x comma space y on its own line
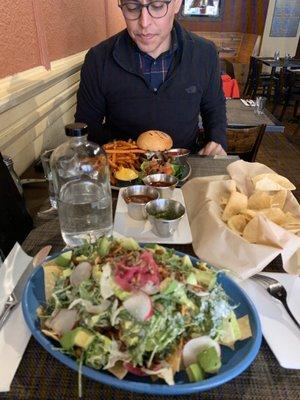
227, 68
289, 92
259, 83
245, 142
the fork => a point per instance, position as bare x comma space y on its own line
277, 290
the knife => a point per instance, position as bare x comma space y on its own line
16, 295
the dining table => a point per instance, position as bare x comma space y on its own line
281, 63
241, 116
40, 376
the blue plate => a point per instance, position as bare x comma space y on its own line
233, 362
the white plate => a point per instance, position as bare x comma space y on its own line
124, 225
280, 332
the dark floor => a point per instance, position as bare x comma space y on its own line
281, 152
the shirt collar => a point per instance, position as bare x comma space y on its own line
171, 51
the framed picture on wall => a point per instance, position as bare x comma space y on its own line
209, 9
286, 17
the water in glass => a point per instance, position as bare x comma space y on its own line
45, 158
85, 211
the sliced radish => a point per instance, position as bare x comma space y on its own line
150, 288
63, 321
105, 282
139, 306
194, 346
82, 272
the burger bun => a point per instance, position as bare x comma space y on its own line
154, 141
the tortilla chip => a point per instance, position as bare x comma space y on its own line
223, 201
275, 214
237, 223
245, 328
259, 200
50, 334
257, 231
118, 370
174, 358
272, 182
51, 273
278, 200
237, 201
165, 373
249, 214
291, 223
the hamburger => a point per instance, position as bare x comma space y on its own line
154, 141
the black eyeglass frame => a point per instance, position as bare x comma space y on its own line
141, 6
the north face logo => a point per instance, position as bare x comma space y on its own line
191, 89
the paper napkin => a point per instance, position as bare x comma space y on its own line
279, 330
14, 335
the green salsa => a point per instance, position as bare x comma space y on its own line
167, 214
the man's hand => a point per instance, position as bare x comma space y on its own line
212, 149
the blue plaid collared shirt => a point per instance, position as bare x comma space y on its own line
155, 70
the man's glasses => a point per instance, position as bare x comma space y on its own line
132, 10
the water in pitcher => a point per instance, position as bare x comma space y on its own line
85, 211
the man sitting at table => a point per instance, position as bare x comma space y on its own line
153, 75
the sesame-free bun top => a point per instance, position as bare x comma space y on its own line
154, 141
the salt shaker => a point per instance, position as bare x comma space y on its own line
80, 174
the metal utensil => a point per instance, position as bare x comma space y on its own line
16, 295
277, 290
26, 181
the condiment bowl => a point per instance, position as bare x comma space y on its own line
164, 183
136, 197
177, 156
164, 216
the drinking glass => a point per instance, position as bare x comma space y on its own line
45, 158
277, 55
260, 103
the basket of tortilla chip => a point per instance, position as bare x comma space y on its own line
246, 219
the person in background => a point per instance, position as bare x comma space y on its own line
153, 75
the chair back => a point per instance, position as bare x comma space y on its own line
245, 142
255, 69
15, 221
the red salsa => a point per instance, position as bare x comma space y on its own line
138, 198
161, 184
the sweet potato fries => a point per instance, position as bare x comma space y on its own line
121, 153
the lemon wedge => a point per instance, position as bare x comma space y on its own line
126, 174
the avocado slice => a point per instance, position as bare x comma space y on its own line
119, 292
96, 273
64, 259
78, 337
80, 258
169, 286
186, 261
67, 272
209, 360
195, 373
129, 244
103, 246
207, 278
191, 279
230, 331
